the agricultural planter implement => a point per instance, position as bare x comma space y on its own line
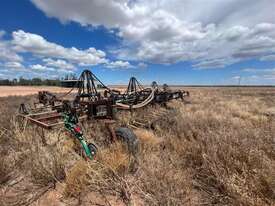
164, 95
136, 96
95, 101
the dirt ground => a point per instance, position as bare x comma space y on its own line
28, 90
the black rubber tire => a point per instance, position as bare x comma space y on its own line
114, 112
93, 149
127, 136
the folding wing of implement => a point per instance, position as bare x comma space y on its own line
136, 96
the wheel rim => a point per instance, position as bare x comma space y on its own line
93, 149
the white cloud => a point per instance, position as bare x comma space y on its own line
119, 65
6, 52
41, 68
47, 57
266, 70
170, 31
261, 74
118, 13
96, 12
142, 65
59, 63
14, 66
213, 63
262, 77
37, 45
254, 79
263, 28
268, 58
268, 77
2, 33
236, 77
249, 70
3, 76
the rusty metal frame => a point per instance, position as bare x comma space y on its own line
46, 120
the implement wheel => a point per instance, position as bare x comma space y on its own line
93, 149
127, 136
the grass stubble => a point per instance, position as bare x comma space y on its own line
217, 150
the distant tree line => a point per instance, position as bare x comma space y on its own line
30, 82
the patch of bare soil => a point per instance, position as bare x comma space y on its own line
28, 90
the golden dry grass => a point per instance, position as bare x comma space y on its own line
217, 150
116, 157
76, 179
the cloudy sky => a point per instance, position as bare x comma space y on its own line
172, 41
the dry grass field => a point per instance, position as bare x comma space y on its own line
217, 149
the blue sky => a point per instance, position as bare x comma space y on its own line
170, 41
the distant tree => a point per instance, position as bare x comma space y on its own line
74, 77
5, 82
36, 81
23, 81
14, 81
